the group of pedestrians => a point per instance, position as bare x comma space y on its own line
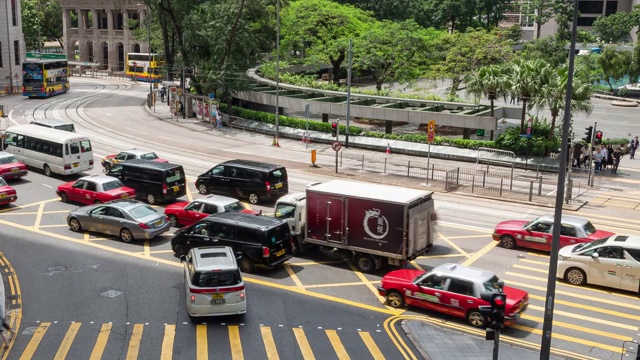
604, 157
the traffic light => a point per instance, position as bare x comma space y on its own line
334, 129
498, 308
598, 139
588, 135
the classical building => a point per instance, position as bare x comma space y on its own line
100, 31
12, 48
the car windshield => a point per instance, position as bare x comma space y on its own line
589, 228
285, 211
2, 182
149, 156
7, 160
236, 206
113, 184
142, 211
175, 176
277, 234
590, 245
492, 284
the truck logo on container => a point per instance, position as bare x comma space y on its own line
381, 224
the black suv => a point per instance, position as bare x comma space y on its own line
252, 180
263, 241
153, 181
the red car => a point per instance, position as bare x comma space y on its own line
94, 189
7, 193
537, 234
184, 214
450, 289
10, 167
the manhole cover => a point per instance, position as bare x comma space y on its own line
111, 293
29, 330
56, 269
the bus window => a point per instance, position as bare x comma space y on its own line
85, 145
75, 148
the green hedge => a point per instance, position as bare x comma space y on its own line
438, 140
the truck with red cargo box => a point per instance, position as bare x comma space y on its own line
367, 223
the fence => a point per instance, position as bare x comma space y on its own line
455, 178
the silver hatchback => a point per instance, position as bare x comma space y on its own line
128, 219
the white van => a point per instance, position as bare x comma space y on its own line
612, 262
64, 125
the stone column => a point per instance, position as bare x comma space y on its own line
142, 15
81, 40
96, 31
66, 25
113, 58
125, 32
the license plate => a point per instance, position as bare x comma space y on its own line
280, 253
157, 223
2, 196
217, 299
176, 188
278, 186
15, 169
76, 164
125, 196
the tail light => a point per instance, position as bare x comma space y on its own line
91, 162
67, 166
166, 219
193, 299
42, 89
23, 89
268, 185
164, 189
242, 296
143, 226
265, 251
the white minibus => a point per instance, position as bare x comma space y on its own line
53, 151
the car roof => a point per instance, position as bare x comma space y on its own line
254, 165
5, 154
149, 164
618, 240
137, 151
571, 220
248, 220
53, 122
98, 178
216, 200
213, 257
125, 204
463, 272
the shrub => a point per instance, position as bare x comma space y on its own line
537, 145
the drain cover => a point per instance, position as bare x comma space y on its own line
111, 293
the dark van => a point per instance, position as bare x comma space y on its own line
263, 241
153, 181
251, 180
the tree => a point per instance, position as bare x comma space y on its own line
392, 51
490, 81
614, 64
41, 21
552, 49
526, 78
323, 28
615, 27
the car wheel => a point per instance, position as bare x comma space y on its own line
64, 197
247, 265
476, 319
47, 170
366, 263
173, 220
74, 225
254, 198
202, 188
151, 199
126, 235
395, 299
575, 276
97, 202
507, 242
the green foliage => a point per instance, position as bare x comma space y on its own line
438, 140
551, 49
41, 19
615, 27
586, 37
538, 145
615, 64
513, 33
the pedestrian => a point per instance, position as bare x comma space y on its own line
577, 152
633, 145
219, 120
617, 155
597, 160
4, 327
605, 156
610, 155
162, 92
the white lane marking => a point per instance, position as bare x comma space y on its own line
49, 186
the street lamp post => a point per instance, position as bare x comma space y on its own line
149, 50
39, 22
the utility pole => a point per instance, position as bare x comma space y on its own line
277, 134
346, 138
149, 38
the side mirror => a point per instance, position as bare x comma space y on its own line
183, 257
238, 255
595, 255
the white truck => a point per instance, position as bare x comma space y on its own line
365, 222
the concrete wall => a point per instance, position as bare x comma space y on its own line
10, 72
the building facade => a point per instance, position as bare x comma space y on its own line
101, 31
12, 47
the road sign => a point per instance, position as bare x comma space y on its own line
212, 96
431, 131
336, 146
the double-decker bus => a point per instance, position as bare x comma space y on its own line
44, 78
144, 66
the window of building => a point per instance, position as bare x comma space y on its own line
591, 7
1, 58
586, 21
612, 8
14, 17
16, 51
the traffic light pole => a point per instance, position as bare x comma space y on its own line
592, 173
496, 345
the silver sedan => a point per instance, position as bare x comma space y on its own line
128, 219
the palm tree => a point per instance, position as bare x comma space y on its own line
490, 81
525, 80
552, 95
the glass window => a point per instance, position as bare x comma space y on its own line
492, 284
113, 212
610, 252
91, 186
141, 211
175, 176
589, 228
218, 171
85, 146
194, 206
122, 156
434, 282
222, 231
568, 230
149, 156
248, 235
285, 211
2, 182
277, 234
236, 206
635, 253
217, 278
79, 184
113, 184
237, 173
75, 148
210, 209
590, 245
116, 170
278, 175
462, 287
591, 7
202, 228
102, 210
543, 227
7, 160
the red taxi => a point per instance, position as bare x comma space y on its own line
537, 234
109, 160
10, 167
451, 289
184, 213
7, 193
94, 189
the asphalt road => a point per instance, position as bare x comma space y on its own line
320, 293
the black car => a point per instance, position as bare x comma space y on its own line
263, 241
252, 180
153, 181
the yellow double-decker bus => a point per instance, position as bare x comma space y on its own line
144, 67
44, 78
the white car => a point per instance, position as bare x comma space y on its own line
612, 262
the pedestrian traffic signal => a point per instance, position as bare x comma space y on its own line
598, 139
498, 307
334, 129
588, 135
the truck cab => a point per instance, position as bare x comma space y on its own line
292, 209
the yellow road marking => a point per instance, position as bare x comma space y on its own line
466, 237
36, 212
457, 226
14, 288
52, 226
371, 345
36, 224
365, 281
614, 349
579, 328
480, 253
246, 205
303, 344
614, 219
441, 256
453, 245
37, 336
167, 342
315, 263
590, 308
86, 236
293, 276
101, 342
416, 265
65, 345
147, 249
543, 263
134, 342
188, 192
584, 318
337, 345
269, 343
529, 268
202, 347
538, 255
355, 283
26, 205
398, 341
236, 344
